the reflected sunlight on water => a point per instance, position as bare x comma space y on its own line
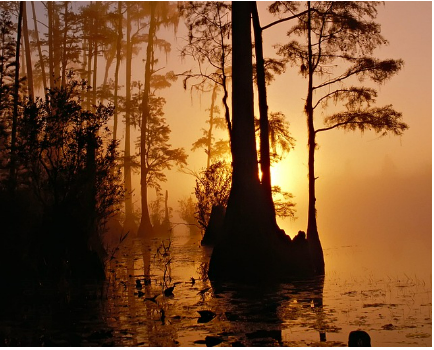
394, 309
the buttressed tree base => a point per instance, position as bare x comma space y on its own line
252, 245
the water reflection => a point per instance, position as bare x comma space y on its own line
251, 315
318, 312
308, 313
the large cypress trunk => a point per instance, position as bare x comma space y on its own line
243, 251
252, 246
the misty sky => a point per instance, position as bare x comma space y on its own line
372, 191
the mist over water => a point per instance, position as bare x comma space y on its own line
393, 309
70, 282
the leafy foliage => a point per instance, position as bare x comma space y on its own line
159, 155
343, 32
210, 47
187, 212
283, 204
281, 141
157, 211
209, 39
215, 150
380, 119
212, 188
65, 156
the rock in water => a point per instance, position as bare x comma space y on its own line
212, 341
359, 338
205, 316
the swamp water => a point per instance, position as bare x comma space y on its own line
394, 310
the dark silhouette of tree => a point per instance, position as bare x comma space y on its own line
71, 173
129, 216
28, 54
214, 150
212, 189
243, 212
7, 88
152, 147
209, 34
119, 34
12, 176
38, 45
281, 141
160, 214
264, 148
135, 12
345, 33
209, 45
51, 29
252, 246
156, 155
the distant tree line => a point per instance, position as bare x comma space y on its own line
59, 158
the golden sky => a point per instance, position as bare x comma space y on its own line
371, 190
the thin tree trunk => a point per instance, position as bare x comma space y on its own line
65, 49
118, 63
23, 59
57, 46
211, 125
263, 111
50, 43
129, 217
108, 64
95, 70
312, 230
166, 208
13, 180
95, 64
89, 69
28, 54
41, 58
145, 222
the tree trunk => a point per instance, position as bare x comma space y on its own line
28, 54
89, 68
65, 36
22, 58
145, 227
108, 64
211, 125
166, 207
50, 43
95, 64
263, 112
252, 246
244, 221
57, 47
12, 176
312, 230
118, 63
38, 44
129, 224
